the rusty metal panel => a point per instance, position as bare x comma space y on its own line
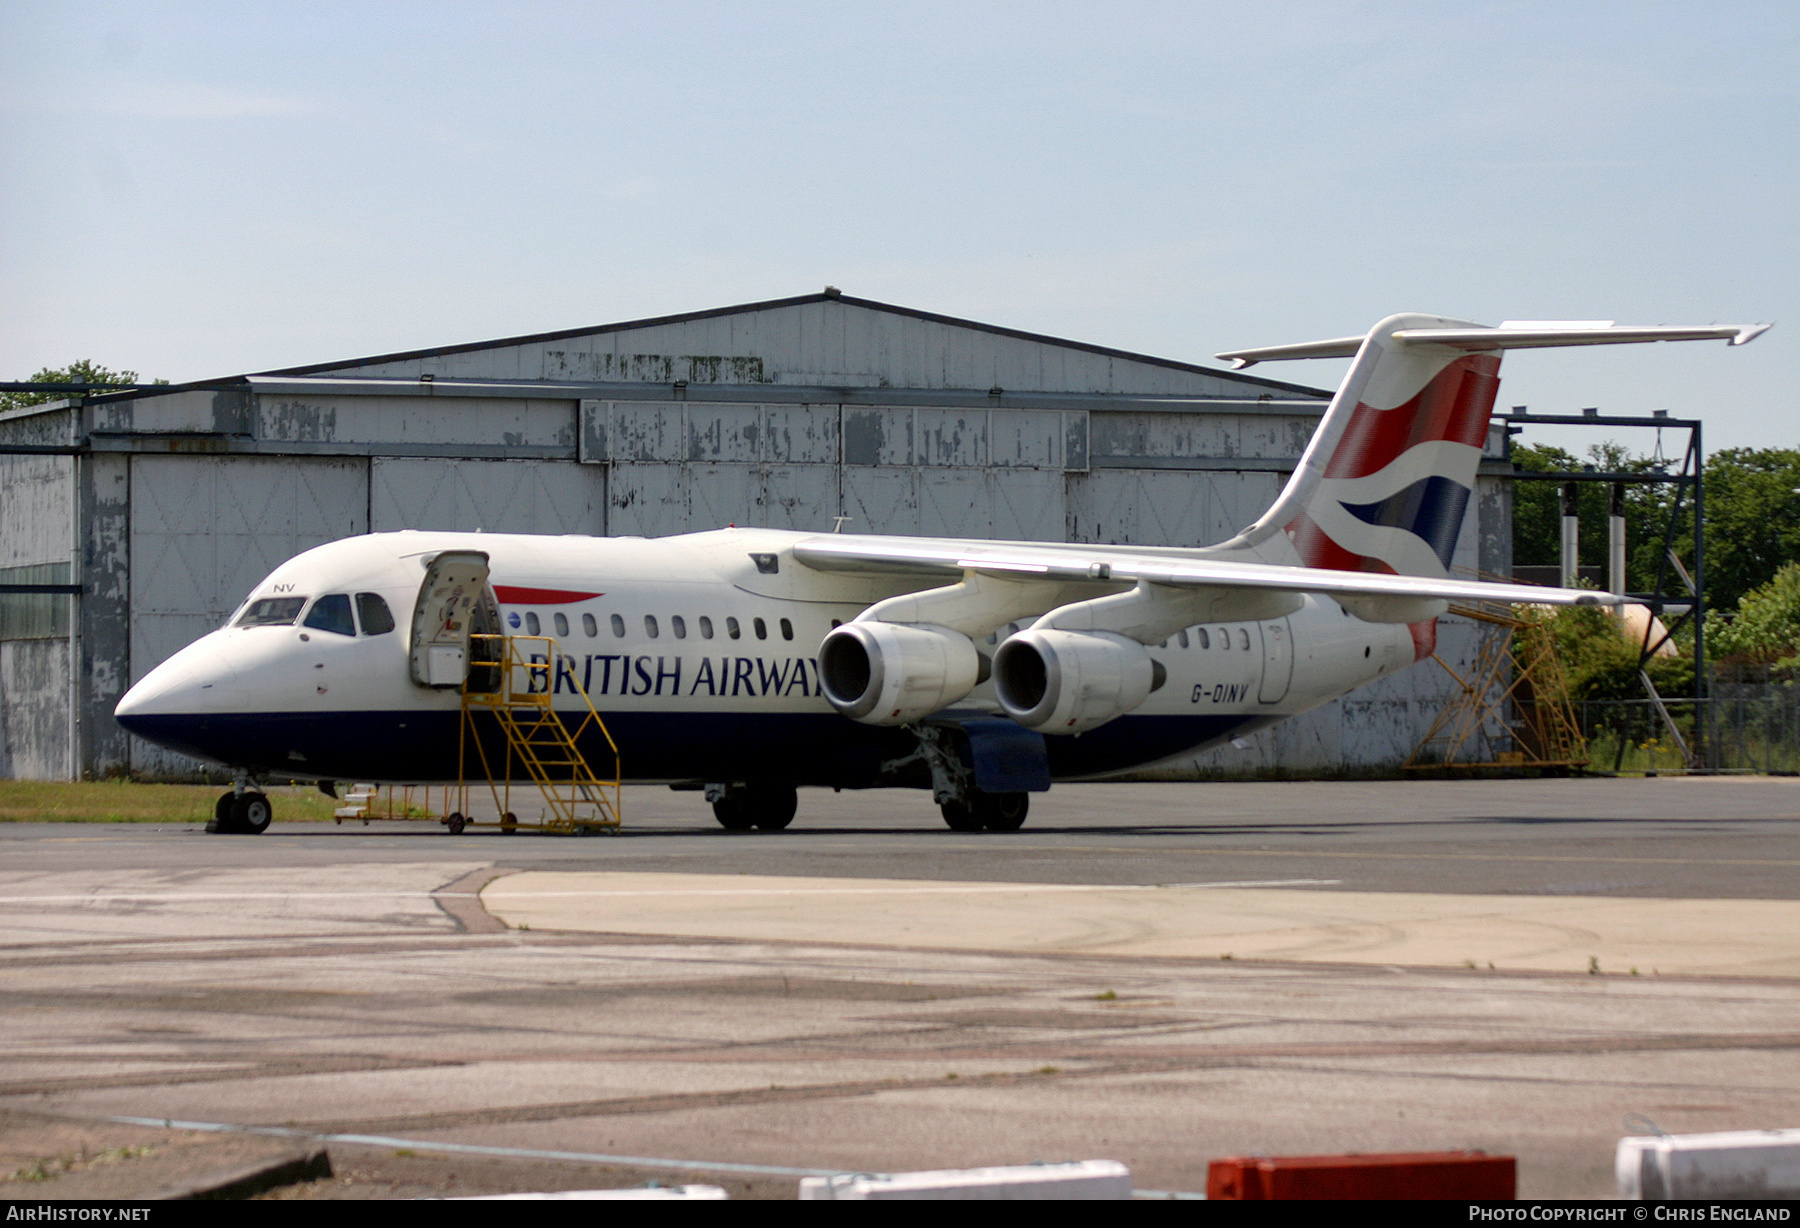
1140, 507
34, 710
36, 509
721, 495
525, 496
639, 431
1027, 504
955, 438
724, 433
647, 500
415, 421
103, 615
591, 438
878, 435
1026, 438
1076, 432
801, 435
953, 503
802, 497
880, 500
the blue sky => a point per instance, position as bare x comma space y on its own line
193, 190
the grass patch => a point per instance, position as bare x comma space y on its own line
125, 801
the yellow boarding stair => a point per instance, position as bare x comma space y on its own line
512, 678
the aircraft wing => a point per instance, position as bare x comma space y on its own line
1115, 564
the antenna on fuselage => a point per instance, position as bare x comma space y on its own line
837, 523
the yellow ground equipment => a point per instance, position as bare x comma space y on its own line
1517, 662
512, 683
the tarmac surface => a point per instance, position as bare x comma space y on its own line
870, 991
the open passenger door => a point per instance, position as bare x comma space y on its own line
454, 602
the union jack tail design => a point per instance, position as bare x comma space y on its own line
1384, 483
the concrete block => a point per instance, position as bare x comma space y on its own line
1731, 1164
1088, 1179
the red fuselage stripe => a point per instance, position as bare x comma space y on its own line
513, 595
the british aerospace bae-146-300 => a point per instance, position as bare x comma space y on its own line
749, 662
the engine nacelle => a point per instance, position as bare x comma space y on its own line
1068, 681
894, 673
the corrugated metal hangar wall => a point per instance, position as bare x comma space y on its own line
168, 508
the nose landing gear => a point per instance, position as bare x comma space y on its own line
245, 811
242, 814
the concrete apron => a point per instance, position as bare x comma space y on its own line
1759, 938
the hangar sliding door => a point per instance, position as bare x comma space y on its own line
494, 496
206, 529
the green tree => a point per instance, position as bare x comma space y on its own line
1766, 627
1601, 662
80, 372
1752, 520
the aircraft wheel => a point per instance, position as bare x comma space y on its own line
960, 816
733, 814
221, 820
454, 823
1002, 811
251, 813
773, 806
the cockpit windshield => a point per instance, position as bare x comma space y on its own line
272, 612
332, 613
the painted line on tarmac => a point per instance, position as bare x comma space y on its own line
985, 888
946, 889
1165, 850
527, 1153
517, 1153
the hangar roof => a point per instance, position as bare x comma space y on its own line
822, 340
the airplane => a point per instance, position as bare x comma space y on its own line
749, 662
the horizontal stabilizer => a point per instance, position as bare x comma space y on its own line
1512, 335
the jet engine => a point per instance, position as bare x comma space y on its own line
894, 673
1070, 681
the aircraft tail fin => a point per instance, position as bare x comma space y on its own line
1384, 483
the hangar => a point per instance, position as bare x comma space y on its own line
145, 516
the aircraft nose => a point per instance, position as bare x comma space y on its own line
200, 679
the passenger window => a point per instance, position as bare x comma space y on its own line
1205, 639
1181, 637
532, 625
1225, 638
787, 629
731, 628
561, 622
762, 628
705, 627
650, 626
678, 625
1244, 638
618, 626
588, 626
331, 613
273, 612
373, 613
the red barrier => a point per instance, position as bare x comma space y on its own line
1470, 1175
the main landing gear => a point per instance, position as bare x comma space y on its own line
764, 805
242, 812
978, 811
